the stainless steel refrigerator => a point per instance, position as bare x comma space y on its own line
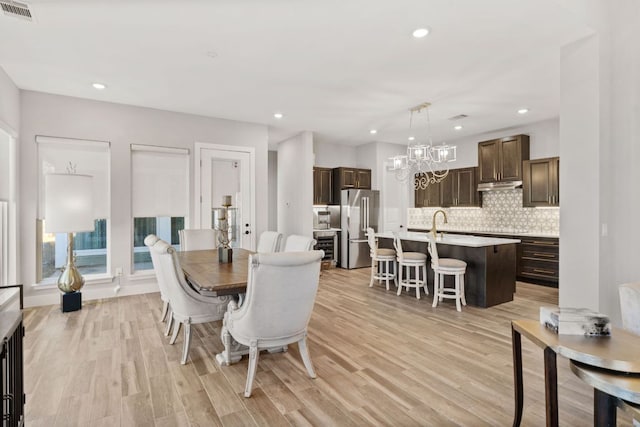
358, 210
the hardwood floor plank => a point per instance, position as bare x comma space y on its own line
381, 359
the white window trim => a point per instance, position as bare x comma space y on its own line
89, 279
10, 236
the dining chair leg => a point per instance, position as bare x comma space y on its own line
306, 359
373, 270
253, 365
458, 296
176, 329
436, 288
417, 272
441, 281
165, 310
167, 332
464, 300
399, 279
187, 342
424, 275
395, 273
387, 271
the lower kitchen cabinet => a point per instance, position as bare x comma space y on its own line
538, 260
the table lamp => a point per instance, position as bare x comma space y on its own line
69, 209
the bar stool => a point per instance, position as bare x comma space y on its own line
415, 260
447, 267
381, 256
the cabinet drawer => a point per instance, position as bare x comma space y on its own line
540, 241
540, 253
539, 273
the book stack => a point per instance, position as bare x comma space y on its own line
575, 321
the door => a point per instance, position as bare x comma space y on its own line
510, 160
228, 173
394, 200
488, 158
466, 191
364, 179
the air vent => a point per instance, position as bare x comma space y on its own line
16, 9
458, 117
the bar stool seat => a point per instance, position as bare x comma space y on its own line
382, 261
409, 260
447, 267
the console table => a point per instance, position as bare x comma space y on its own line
618, 352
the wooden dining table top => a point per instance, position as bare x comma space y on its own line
210, 277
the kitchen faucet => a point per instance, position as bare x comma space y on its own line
433, 224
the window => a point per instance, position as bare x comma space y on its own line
62, 155
160, 197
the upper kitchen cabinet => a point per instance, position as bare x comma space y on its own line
322, 186
501, 159
429, 197
346, 178
541, 182
460, 188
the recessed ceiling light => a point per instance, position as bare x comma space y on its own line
411, 138
373, 131
421, 32
99, 86
278, 115
457, 127
523, 111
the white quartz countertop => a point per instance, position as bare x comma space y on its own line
497, 233
452, 239
326, 229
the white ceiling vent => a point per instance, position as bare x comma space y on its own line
458, 117
16, 9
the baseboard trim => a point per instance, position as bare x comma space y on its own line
52, 296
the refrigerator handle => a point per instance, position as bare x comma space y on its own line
365, 211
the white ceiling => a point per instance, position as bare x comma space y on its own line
335, 67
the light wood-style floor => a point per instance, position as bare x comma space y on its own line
380, 360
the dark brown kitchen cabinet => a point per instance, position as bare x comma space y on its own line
322, 186
428, 197
541, 183
460, 188
345, 178
501, 159
538, 260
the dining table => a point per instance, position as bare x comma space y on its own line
210, 277
225, 281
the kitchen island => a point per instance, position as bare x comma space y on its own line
490, 278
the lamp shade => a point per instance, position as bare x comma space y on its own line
68, 203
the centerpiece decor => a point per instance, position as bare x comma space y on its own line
225, 253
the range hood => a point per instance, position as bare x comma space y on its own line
502, 185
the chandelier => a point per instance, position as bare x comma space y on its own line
424, 162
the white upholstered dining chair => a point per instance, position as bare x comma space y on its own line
298, 243
187, 306
281, 291
149, 241
630, 306
269, 241
198, 239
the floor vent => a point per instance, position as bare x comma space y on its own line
16, 9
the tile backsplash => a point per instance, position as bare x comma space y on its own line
501, 211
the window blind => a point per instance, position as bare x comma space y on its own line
58, 155
159, 181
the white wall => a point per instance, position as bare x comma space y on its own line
273, 190
295, 185
328, 155
10, 125
9, 103
600, 147
122, 125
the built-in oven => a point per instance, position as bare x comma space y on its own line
327, 240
